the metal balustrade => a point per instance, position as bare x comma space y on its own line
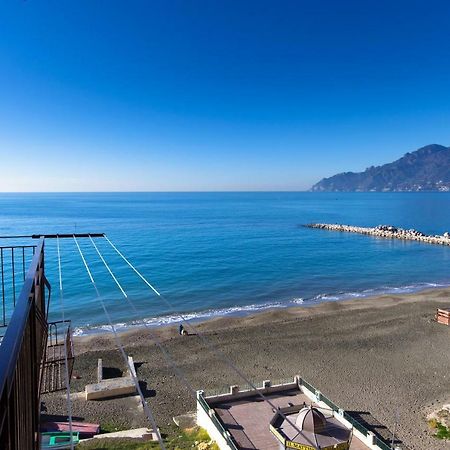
22, 352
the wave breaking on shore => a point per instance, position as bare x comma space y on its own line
245, 310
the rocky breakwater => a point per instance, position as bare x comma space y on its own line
387, 231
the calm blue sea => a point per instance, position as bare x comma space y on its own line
229, 253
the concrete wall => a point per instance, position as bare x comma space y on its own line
267, 388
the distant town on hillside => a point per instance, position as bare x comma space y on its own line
426, 169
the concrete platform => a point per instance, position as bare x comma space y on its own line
143, 434
110, 388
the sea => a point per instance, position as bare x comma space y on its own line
222, 254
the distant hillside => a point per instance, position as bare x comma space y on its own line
426, 169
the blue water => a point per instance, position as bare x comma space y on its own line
221, 253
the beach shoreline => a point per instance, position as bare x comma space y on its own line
383, 355
259, 318
253, 309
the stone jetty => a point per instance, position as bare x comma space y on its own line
386, 231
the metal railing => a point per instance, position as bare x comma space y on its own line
355, 424
22, 352
329, 403
14, 259
385, 446
308, 386
59, 342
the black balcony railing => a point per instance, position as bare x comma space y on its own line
14, 260
22, 352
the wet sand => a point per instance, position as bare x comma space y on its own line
384, 355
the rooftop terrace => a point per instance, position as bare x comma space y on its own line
239, 419
248, 419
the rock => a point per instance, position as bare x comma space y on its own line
387, 231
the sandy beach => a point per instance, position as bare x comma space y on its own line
384, 355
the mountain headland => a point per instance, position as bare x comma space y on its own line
426, 169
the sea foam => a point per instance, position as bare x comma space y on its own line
245, 310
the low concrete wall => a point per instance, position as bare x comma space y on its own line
236, 393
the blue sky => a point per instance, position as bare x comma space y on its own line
167, 95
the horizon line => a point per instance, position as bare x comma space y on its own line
155, 192
309, 191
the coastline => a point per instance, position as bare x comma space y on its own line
383, 355
246, 310
272, 315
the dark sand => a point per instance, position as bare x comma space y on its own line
383, 355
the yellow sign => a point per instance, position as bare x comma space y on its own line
298, 446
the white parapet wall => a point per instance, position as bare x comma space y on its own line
205, 419
235, 392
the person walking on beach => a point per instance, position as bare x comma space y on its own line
181, 330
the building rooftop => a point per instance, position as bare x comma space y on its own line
247, 419
268, 416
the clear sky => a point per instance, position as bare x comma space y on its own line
163, 95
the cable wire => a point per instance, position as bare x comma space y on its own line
218, 352
168, 357
145, 406
61, 297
